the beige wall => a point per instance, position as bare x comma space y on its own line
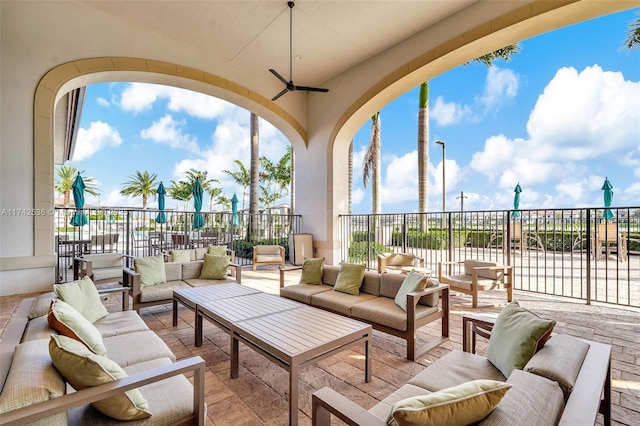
42, 56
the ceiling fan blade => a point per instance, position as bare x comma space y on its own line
311, 89
285, 90
281, 78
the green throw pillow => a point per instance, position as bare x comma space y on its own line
83, 296
218, 250
414, 282
180, 255
64, 319
312, 270
151, 270
84, 369
515, 338
214, 267
349, 278
464, 404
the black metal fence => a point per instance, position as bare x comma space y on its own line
562, 252
136, 232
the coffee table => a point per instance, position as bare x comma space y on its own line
289, 333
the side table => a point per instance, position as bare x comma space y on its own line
474, 325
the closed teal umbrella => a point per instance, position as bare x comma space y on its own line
79, 218
161, 217
198, 220
608, 199
234, 210
516, 201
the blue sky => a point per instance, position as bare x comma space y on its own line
559, 117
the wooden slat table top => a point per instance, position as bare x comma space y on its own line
234, 309
296, 332
197, 295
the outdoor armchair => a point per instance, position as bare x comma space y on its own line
101, 268
268, 255
477, 275
394, 262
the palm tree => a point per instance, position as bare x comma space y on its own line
242, 177
371, 164
504, 53
64, 183
254, 182
350, 176
181, 191
215, 193
276, 177
633, 36
141, 185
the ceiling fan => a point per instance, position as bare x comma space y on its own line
289, 86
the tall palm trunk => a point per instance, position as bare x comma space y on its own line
350, 209
254, 186
423, 148
372, 164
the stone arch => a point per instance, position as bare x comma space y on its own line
66, 77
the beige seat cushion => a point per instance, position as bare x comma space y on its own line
32, 379
197, 282
383, 408
41, 305
384, 311
532, 400
119, 348
162, 291
102, 274
303, 292
267, 258
455, 368
173, 271
339, 302
121, 322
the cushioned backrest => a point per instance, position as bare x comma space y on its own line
371, 283
173, 270
400, 259
330, 274
198, 254
191, 270
271, 250
105, 260
559, 360
484, 273
390, 284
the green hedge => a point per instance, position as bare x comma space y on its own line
358, 251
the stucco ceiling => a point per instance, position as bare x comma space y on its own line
329, 37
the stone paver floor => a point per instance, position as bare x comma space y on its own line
259, 395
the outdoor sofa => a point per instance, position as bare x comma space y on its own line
375, 304
36, 389
566, 382
177, 274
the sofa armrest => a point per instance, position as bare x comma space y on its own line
82, 268
123, 290
285, 269
131, 279
236, 271
96, 393
327, 402
474, 326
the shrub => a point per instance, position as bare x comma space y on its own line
362, 251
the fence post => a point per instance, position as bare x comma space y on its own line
589, 256
404, 233
450, 236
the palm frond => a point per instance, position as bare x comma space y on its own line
633, 36
373, 151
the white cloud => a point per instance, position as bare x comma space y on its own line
170, 132
401, 179
569, 124
500, 84
446, 113
98, 136
114, 198
103, 102
357, 196
137, 97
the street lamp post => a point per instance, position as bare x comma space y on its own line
444, 207
461, 197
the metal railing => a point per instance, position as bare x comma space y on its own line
135, 232
560, 252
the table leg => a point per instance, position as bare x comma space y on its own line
235, 362
175, 312
293, 395
198, 332
367, 359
